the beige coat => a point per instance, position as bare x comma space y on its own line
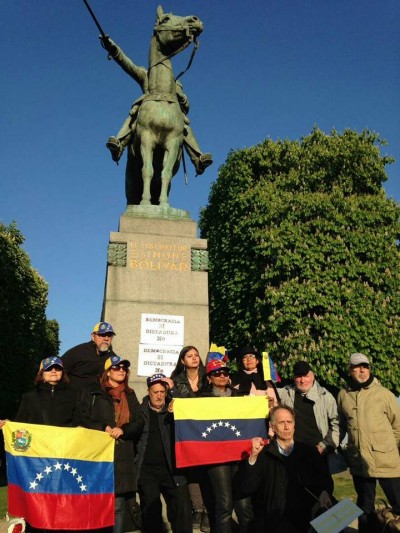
371, 418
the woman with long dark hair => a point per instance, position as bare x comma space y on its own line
189, 377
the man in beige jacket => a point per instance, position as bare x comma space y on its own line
370, 415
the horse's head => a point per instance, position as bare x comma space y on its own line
174, 33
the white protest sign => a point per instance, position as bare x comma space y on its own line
156, 359
166, 330
337, 517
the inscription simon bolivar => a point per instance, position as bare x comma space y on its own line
160, 257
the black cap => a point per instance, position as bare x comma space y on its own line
301, 368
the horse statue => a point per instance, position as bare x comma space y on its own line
157, 125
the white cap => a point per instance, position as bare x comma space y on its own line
358, 359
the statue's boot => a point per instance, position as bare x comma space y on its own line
115, 147
204, 161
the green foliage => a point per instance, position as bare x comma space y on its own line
27, 337
304, 255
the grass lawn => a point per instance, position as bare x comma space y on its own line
344, 487
3, 502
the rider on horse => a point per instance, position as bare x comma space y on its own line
117, 144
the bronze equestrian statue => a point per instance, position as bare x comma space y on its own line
157, 126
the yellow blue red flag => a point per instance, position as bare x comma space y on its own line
217, 430
60, 478
269, 370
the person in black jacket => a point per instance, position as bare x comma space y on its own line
84, 363
52, 402
286, 478
224, 497
156, 464
249, 378
189, 377
112, 406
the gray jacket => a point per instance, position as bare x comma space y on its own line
325, 411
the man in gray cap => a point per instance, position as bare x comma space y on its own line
317, 421
370, 415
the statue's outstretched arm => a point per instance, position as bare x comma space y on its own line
139, 74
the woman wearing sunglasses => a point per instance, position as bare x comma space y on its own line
112, 406
225, 498
52, 402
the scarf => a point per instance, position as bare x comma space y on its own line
355, 386
120, 401
220, 393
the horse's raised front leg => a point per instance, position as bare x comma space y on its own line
170, 156
146, 151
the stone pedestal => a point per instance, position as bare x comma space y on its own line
156, 264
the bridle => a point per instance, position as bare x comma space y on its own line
190, 39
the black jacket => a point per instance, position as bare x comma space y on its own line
84, 365
166, 425
182, 388
278, 485
51, 405
97, 413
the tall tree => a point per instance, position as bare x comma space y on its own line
304, 253
26, 335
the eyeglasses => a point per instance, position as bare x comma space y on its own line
57, 368
249, 356
119, 367
219, 373
109, 335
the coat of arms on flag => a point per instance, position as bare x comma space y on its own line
60, 478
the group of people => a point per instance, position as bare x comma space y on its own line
283, 482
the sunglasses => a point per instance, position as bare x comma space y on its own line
110, 335
58, 368
219, 373
119, 367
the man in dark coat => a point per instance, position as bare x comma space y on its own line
156, 465
84, 363
286, 478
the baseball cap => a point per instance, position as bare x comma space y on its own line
156, 378
50, 361
215, 364
116, 360
103, 327
358, 359
301, 368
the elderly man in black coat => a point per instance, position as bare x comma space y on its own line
286, 478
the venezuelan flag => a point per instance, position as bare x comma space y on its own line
269, 370
217, 430
60, 478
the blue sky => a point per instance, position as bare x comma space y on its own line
263, 69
